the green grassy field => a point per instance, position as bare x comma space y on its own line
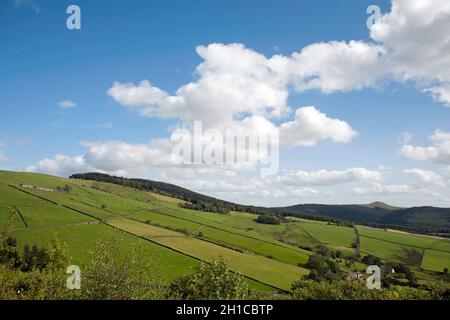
436, 260
391, 251
442, 245
223, 234
272, 272
329, 234
397, 237
178, 238
430, 253
75, 219
7, 215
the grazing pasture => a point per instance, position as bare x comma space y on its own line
176, 238
268, 271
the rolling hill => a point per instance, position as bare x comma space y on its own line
270, 257
429, 220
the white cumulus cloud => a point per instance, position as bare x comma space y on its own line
426, 176
311, 125
328, 177
377, 188
61, 165
438, 151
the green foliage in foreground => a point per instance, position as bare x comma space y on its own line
112, 277
45, 283
213, 281
345, 290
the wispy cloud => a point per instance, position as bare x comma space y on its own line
32, 4
104, 125
3, 157
405, 138
67, 104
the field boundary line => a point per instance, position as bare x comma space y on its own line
83, 189
190, 256
214, 227
59, 205
198, 229
207, 225
358, 241
81, 212
254, 245
421, 258
215, 242
22, 217
403, 244
98, 208
34, 195
50, 226
310, 235
231, 232
135, 213
436, 242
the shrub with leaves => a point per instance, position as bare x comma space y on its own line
345, 290
213, 281
116, 275
46, 283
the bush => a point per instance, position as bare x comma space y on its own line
269, 219
323, 268
213, 281
48, 283
112, 276
345, 290
372, 260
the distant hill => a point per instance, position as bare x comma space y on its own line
381, 205
418, 219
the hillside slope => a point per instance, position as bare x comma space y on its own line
429, 220
80, 212
417, 219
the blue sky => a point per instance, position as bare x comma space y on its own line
43, 64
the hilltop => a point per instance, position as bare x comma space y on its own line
381, 205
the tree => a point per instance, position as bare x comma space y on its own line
36, 284
27, 258
10, 242
269, 219
9, 256
323, 268
372, 260
324, 251
115, 276
213, 281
